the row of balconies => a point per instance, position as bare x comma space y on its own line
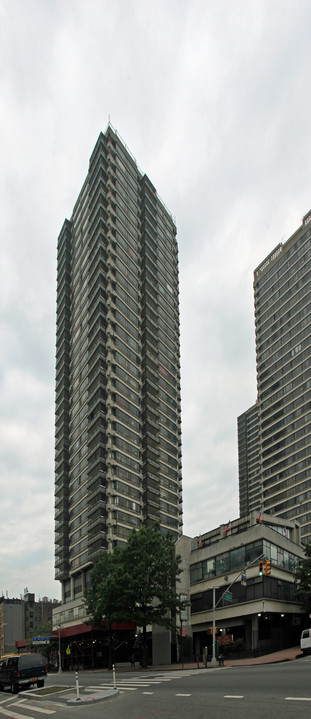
64, 239
62, 512
62, 498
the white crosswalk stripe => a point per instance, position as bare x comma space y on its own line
30, 710
15, 715
26, 705
133, 682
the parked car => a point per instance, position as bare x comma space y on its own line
21, 671
305, 641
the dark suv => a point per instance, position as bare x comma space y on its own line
22, 671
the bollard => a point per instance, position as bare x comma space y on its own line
114, 676
77, 687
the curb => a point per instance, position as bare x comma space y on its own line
93, 699
71, 700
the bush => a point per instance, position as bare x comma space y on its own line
187, 646
232, 647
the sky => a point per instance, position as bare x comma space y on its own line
212, 98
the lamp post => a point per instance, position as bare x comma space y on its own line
213, 662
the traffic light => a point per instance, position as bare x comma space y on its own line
267, 567
260, 568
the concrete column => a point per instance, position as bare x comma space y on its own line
254, 631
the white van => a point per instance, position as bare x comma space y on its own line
305, 641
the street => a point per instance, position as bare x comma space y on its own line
256, 691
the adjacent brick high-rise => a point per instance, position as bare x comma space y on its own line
118, 437
282, 290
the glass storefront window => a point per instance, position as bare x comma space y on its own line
209, 567
237, 558
222, 563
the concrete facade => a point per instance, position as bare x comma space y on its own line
117, 410
21, 618
263, 613
282, 299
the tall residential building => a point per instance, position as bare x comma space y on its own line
118, 435
249, 470
282, 290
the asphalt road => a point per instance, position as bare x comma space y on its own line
221, 693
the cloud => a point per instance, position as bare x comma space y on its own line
212, 100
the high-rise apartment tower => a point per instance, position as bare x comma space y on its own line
118, 436
282, 290
249, 475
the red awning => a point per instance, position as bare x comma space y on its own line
84, 628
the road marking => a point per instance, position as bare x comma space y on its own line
233, 696
118, 684
155, 681
14, 715
25, 705
183, 695
103, 687
147, 692
109, 687
298, 699
132, 684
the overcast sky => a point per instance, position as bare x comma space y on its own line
213, 99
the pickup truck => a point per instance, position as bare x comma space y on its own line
21, 671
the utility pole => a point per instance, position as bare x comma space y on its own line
261, 556
213, 662
59, 652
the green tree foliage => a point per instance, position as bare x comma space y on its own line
137, 583
303, 579
47, 650
104, 598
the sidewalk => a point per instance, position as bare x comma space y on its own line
284, 655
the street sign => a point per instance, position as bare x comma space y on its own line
183, 614
228, 596
41, 640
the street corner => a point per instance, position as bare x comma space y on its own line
92, 698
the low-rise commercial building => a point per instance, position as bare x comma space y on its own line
259, 610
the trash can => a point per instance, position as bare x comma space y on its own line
221, 660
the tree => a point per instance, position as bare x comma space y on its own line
137, 583
152, 568
303, 579
47, 650
104, 597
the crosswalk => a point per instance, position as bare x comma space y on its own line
131, 684
21, 709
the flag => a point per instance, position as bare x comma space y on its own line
227, 527
200, 542
260, 518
